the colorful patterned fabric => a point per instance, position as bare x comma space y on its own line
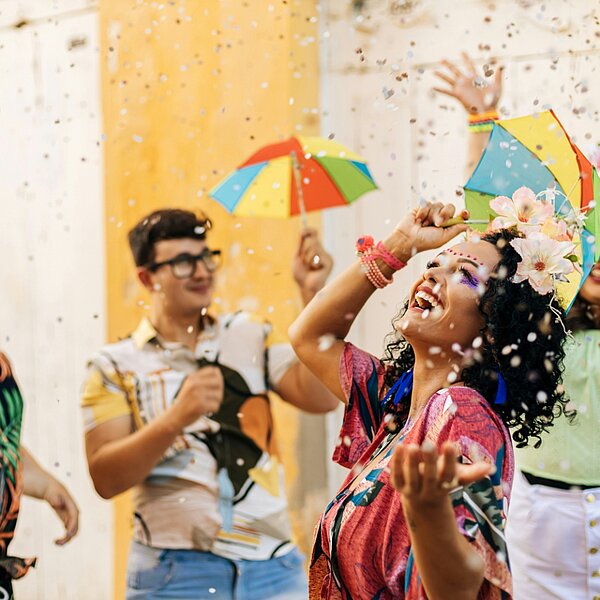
362, 548
220, 486
11, 483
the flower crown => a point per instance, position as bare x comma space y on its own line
551, 235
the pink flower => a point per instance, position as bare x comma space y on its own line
543, 261
523, 211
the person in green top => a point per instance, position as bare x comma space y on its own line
554, 521
21, 474
553, 525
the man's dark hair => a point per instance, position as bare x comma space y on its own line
166, 224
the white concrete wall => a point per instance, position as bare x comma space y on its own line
51, 238
52, 247
415, 140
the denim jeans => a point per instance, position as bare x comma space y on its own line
191, 575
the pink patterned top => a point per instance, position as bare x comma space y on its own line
362, 546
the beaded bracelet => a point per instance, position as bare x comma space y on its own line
373, 272
369, 252
481, 122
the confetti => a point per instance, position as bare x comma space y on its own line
325, 342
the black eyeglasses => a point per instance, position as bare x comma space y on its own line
184, 265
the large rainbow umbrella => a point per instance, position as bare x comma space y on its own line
535, 151
295, 176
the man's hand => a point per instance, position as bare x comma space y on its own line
476, 93
312, 264
200, 395
64, 506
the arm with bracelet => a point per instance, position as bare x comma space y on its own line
479, 96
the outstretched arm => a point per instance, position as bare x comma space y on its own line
477, 94
38, 483
311, 267
448, 565
317, 334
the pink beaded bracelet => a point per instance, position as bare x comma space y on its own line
368, 252
373, 272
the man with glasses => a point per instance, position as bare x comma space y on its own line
179, 412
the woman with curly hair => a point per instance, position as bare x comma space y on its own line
476, 350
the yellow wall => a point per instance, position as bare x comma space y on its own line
189, 89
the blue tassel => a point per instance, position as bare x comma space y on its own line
501, 391
226, 493
402, 388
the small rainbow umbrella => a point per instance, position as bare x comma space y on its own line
293, 177
535, 151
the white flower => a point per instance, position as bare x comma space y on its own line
543, 261
524, 211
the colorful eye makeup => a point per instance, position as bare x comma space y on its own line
464, 276
469, 279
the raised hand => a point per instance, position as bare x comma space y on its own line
312, 264
476, 93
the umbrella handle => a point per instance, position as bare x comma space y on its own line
296, 172
461, 221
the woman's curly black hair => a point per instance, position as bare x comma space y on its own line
522, 339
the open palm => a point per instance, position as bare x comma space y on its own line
476, 93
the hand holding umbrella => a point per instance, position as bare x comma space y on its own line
312, 264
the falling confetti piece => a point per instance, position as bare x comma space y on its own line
325, 342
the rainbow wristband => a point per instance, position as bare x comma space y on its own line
482, 122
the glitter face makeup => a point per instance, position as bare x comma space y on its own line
468, 256
444, 303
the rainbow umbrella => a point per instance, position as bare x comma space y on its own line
536, 152
293, 177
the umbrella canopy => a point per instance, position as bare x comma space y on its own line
536, 152
291, 177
